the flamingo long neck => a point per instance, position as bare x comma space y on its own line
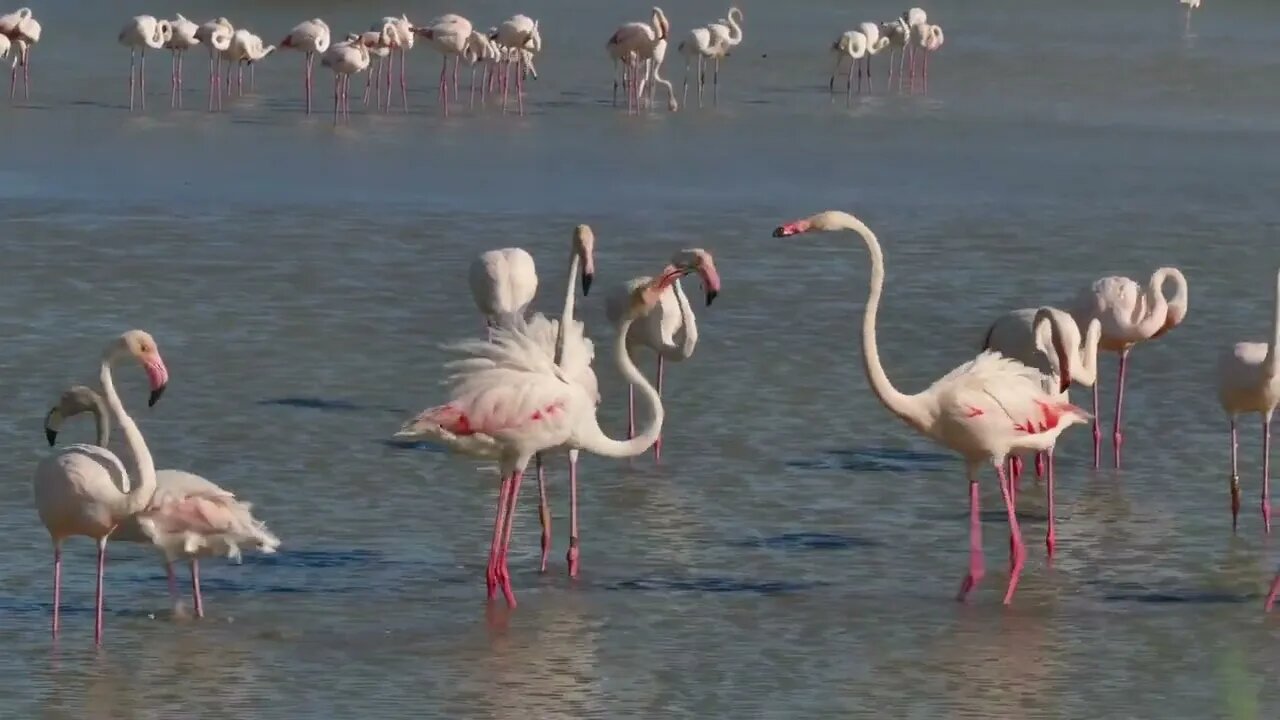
908, 407
688, 320
1051, 340
594, 440
566, 315
1157, 307
101, 421
735, 30
1087, 375
1273, 350
139, 496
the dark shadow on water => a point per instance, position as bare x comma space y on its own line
412, 445
875, 460
807, 541
315, 403
1133, 592
654, 583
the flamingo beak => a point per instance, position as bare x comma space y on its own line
51, 421
586, 283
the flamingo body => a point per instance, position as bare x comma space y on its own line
503, 284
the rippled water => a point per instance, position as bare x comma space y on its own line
796, 552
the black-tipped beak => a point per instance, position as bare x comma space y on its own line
586, 283
780, 231
155, 395
711, 296
51, 436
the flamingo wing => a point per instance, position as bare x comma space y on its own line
1006, 395
189, 514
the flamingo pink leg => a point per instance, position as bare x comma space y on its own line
1051, 536
924, 74
1116, 437
57, 584
631, 412
657, 444
1271, 596
1097, 429
520, 85
457, 61
975, 543
499, 524
26, 75
572, 555
98, 599
142, 81
391, 68
173, 79
444, 85
544, 513
1020, 551
1266, 471
1235, 479
195, 588
1040, 458
173, 584
404, 84
504, 572
13, 81
1013, 493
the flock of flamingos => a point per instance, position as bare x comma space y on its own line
505, 52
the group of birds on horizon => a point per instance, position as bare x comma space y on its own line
910, 35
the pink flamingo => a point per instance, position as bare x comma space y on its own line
1249, 381
188, 516
380, 44
519, 35
312, 38
1048, 340
1130, 314
637, 43
402, 33
511, 400
451, 36
345, 59
984, 410
183, 37
23, 31
216, 35
72, 501
928, 39
140, 33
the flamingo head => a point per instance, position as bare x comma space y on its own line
584, 244
826, 221
74, 400
534, 42
140, 346
697, 260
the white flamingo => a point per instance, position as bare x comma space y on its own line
1130, 314
311, 37
670, 330
898, 33
710, 43
1248, 382
508, 398
381, 44
984, 410
1047, 339
503, 284
345, 59
78, 490
216, 35
874, 45
519, 35
140, 33
637, 43
402, 35
182, 38
23, 31
926, 39
188, 517
245, 49
450, 35
851, 47
481, 52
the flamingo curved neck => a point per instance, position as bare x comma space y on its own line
101, 421
907, 407
735, 30
566, 315
140, 495
688, 320
1088, 373
1272, 363
594, 440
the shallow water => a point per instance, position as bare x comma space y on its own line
796, 552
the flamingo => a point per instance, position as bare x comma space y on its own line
854, 47
912, 17
726, 34
899, 34
983, 410
380, 44
638, 42
78, 489
505, 280
345, 59
653, 58
928, 38
481, 51
312, 38
245, 48
519, 35
1249, 381
450, 35
5, 46
510, 399
182, 38
712, 42
1130, 314
402, 34
23, 31
140, 33
216, 34
1047, 339
187, 517
670, 330
874, 45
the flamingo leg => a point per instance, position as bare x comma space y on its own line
1051, 536
1266, 471
181, 55
1013, 493
1020, 552
1040, 458
442, 92
306, 79
870, 82
631, 411
715, 83
457, 61
976, 571
57, 583
404, 84
888, 81
472, 102
142, 80
368, 82
506, 78
173, 79
391, 68
218, 84
13, 80
702, 77
173, 584
684, 93
213, 81
1097, 429
924, 73
859, 64
848, 85
26, 74
1234, 480
505, 573
1116, 437
520, 71
253, 80
657, 444
572, 555
336, 96
902, 57
98, 599
1271, 595
499, 523
132, 57
195, 588
544, 514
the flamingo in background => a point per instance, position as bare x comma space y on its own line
1130, 314
245, 48
182, 38
345, 59
216, 35
726, 34
984, 410
636, 42
874, 45
312, 38
1048, 340
713, 43
899, 34
506, 279
402, 34
23, 32
519, 35
187, 517
450, 35
380, 44
670, 330
140, 33
853, 47
1249, 381
509, 399
78, 490
928, 38
481, 52
911, 18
